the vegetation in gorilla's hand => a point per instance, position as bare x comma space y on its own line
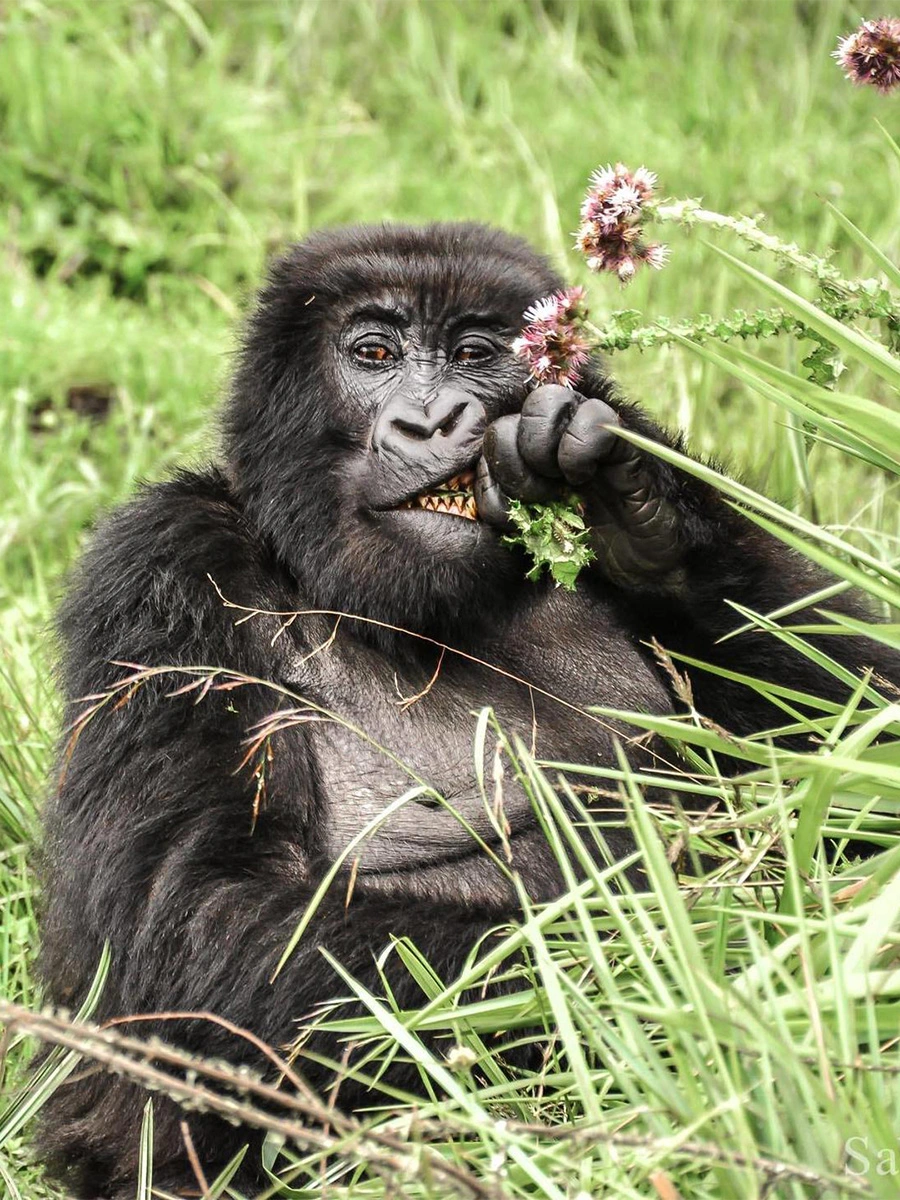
554, 536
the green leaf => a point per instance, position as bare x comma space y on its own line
883, 583
225, 1176
144, 1189
862, 427
877, 256
854, 343
555, 536
824, 364
56, 1067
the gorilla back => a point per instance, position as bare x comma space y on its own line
377, 428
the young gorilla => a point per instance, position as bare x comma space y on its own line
376, 368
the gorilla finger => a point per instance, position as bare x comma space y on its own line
545, 415
651, 520
509, 468
490, 500
589, 441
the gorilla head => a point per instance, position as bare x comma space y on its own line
398, 382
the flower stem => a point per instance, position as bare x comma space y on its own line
690, 212
620, 332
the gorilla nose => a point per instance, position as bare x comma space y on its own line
450, 420
441, 416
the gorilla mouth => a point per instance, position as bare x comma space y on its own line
456, 498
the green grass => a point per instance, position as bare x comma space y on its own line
153, 154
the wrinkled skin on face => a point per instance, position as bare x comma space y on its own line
425, 389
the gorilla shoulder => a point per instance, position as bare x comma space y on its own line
143, 592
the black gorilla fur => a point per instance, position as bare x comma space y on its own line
374, 363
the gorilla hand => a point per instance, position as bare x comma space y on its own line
563, 440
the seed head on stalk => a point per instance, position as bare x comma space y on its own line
871, 55
610, 234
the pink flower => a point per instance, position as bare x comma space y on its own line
552, 342
872, 54
610, 231
656, 256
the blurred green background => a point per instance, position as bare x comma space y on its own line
153, 154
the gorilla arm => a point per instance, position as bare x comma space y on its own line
671, 545
152, 842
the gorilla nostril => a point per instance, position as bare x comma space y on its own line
420, 427
414, 432
450, 422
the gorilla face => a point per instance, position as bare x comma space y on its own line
391, 348
426, 386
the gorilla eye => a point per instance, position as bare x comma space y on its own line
374, 353
473, 352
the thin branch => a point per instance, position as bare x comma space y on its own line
422, 637
382, 1153
196, 1165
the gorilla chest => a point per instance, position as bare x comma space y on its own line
403, 728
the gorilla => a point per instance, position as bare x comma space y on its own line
377, 427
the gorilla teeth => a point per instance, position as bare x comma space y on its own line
454, 506
462, 504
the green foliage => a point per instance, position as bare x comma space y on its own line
555, 536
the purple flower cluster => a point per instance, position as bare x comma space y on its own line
871, 55
553, 342
610, 232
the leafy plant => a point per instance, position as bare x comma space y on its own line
555, 536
